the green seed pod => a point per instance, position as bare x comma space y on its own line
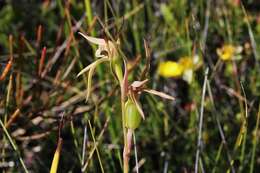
132, 115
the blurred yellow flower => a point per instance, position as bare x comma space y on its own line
229, 52
182, 69
226, 52
170, 69
186, 62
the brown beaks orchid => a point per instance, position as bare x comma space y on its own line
106, 52
105, 48
137, 87
131, 108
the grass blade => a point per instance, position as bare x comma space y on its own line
56, 157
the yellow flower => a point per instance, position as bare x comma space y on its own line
227, 52
182, 69
186, 62
170, 69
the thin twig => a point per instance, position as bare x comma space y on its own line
136, 157
201, 120
84, 145
61, 48
95, 145
206, 26
220, 129
14, 146
255, 141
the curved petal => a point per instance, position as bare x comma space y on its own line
90, 74
94, 64
94, 40
138, 105
138, 84
158, 93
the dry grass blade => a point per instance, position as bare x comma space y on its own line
43, 55
148, 60
12, 118
92, 24
96, 143
61, 48
243, 127
134, 63
6, 70
56, 157
39, 35
34, 136
251, 35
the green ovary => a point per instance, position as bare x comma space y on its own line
132, 116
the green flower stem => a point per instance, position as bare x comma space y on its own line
123, 101
126, 165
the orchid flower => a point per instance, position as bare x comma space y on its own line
137, 87
131, 109
133, 113
106, 52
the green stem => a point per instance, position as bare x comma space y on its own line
126, 166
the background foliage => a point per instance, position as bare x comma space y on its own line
167, 139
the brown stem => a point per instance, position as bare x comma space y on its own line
127, 150
124, 88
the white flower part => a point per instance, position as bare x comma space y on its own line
137, 84
239, 49
160, 94
101, 51
105, 48
196, 59
187, 75
94, 40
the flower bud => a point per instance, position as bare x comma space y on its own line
132, 115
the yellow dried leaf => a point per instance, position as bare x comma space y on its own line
56, 157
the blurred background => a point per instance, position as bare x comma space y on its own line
41, 54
